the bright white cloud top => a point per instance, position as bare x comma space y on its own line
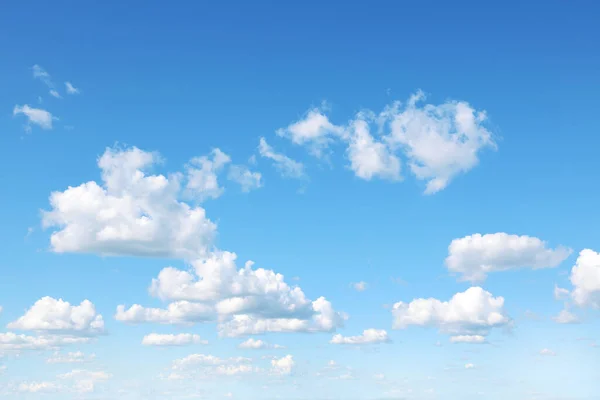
473, 257
369, 336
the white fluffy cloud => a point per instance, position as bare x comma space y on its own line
314, 130
585, 277
475, 256
370, 158
59, 316
247, 179
283, 365
131, 213
369, 336
182, 339
472, 312
257, 344
35, 116
136, 214
286, 166
246, 300
202, 182
438, 141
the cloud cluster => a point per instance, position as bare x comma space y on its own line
473, 257
134, 213
257, 344
466, 316
438, 142
59, 316
585, 278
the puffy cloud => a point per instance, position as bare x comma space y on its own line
35, 116
247, 179
70, 358
131, 213
469, 366
52, 315
257, 344
585, 277
286, 166
10, 341
475, 339
71, 89
472, 312
566, 317
314, 129
182, 339
247, 301
84, 381
368, 157
202, 173
475, 256
547, 352
360, 286
368, 336
438, 141
283, 365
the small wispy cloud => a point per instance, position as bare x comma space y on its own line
35, 116
71, 89
41, 74
359, 286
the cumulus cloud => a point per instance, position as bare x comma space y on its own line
35, 116
246, 300
283, 365
84, 381
469, 366
59, 316
257, 344
472, 312
137, 214
585, 278
248, 180
438, 142
370, 158
473, 257
202, 173
182, 339
369, 336
314, 129
287, 167
70, 88
129, 214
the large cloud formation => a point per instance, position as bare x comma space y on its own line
438, 142
133, 213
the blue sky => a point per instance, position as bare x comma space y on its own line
416, 185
